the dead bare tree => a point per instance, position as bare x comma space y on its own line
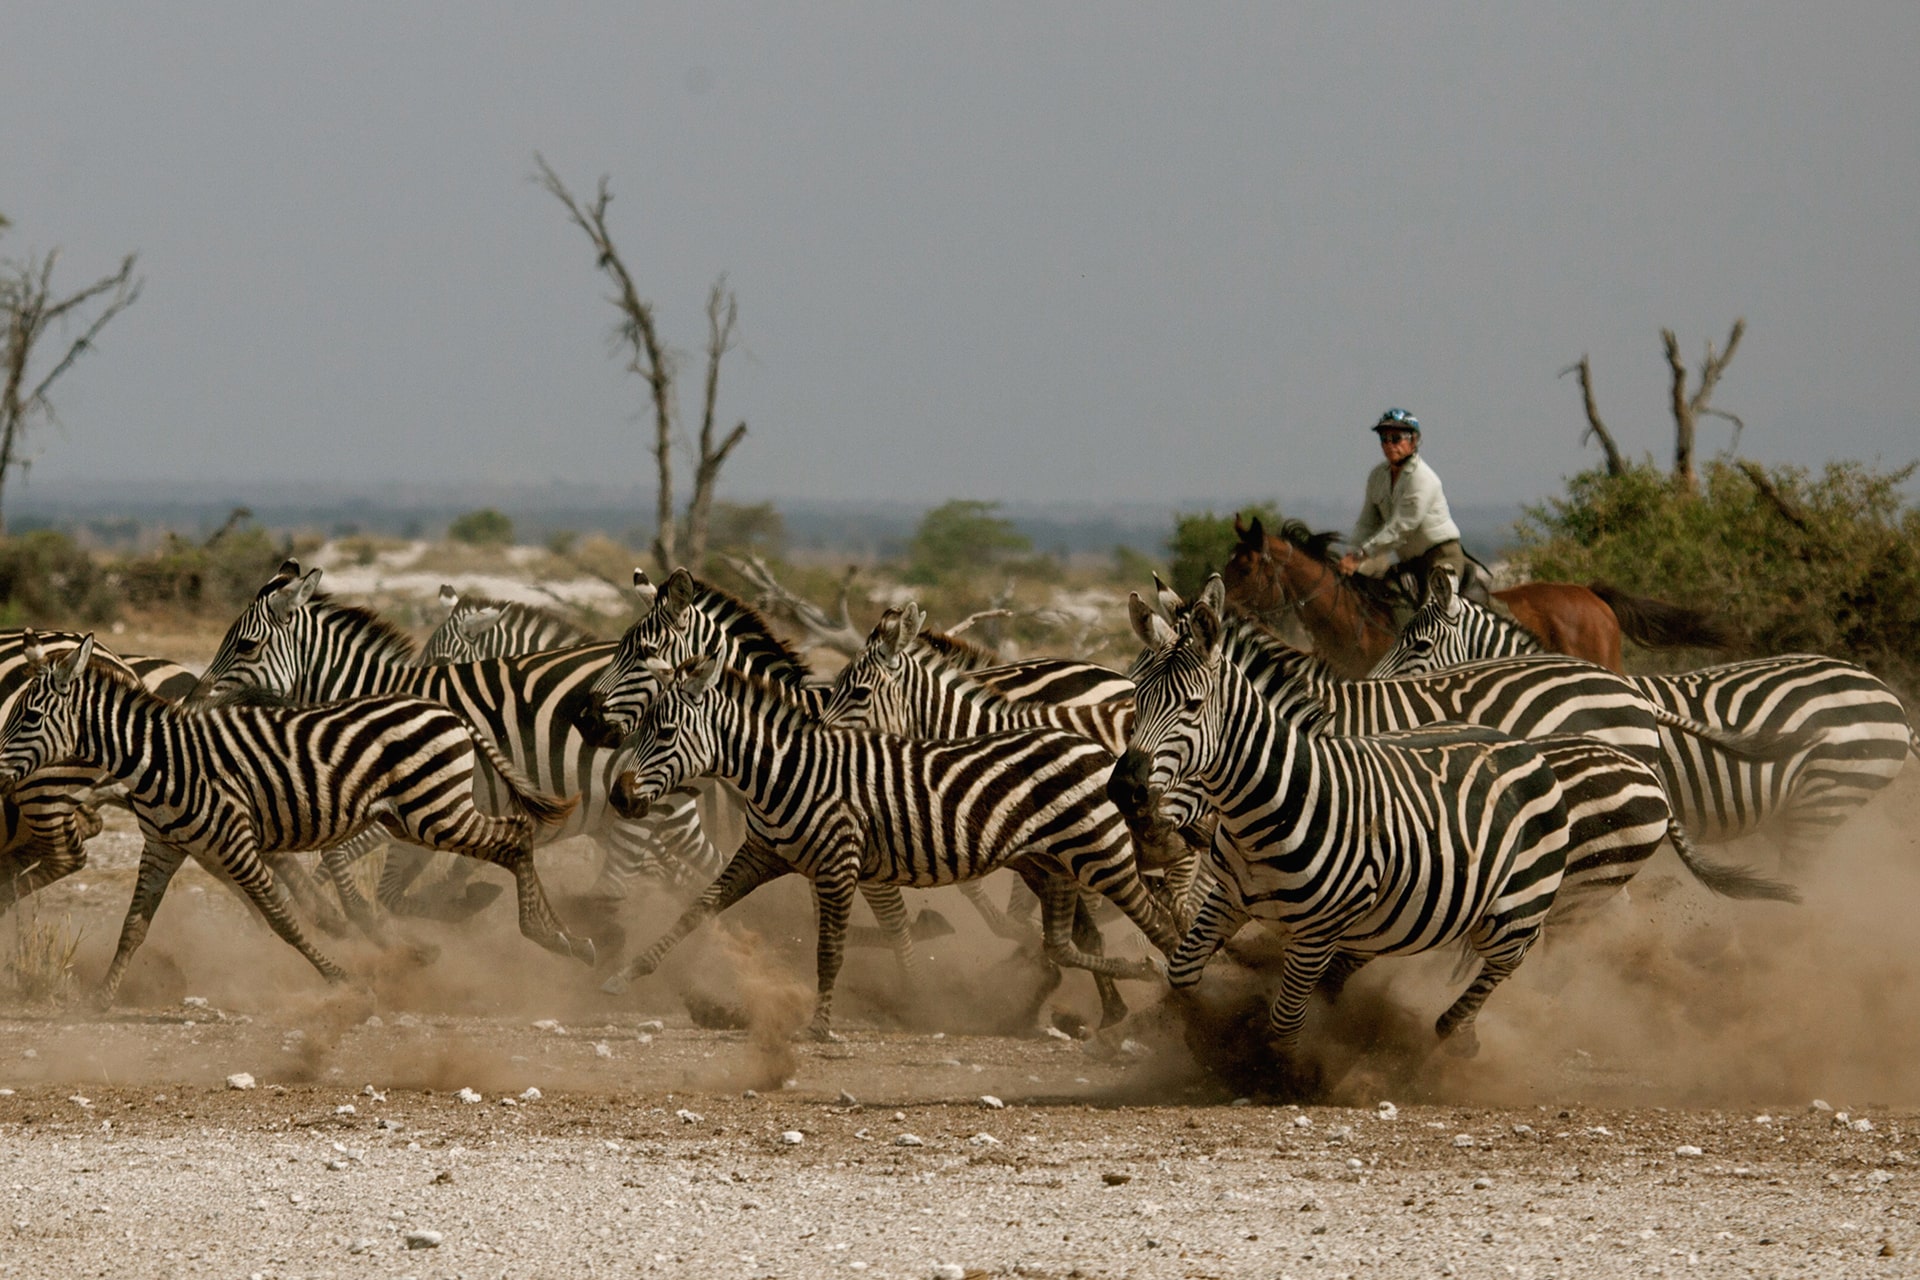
1597, 429
653, 363
1689, 409
821, 629
29, 309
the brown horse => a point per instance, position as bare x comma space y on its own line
1351, 618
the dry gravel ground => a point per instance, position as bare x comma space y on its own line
1642, 1105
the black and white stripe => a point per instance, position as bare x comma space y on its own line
847, 808
231, 784
1355, 848
1852, 731
477, 627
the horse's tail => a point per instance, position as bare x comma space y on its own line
1659, 625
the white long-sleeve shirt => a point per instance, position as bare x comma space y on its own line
1405, 515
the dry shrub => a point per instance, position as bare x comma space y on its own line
41, 967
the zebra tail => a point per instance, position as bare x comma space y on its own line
1723, 879
1659, 625
541, 807
1751, 744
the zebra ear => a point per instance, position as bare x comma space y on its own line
1440, 589
1204, 625
913, 618
647, 591
1214, 595
702, 674
475, 623
890, 636
449, 598
1167, 598
1153, 630
662, 670
284, 602
678, 595
73, 664
36, 652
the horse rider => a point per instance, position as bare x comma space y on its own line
1405, 512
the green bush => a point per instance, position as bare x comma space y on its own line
1201, 543
222, 577
962, 535
47, 579
483, 528
1796, 561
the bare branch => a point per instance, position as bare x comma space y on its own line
983, 615
1682, 414
821, 631
1789, 511
1596, 429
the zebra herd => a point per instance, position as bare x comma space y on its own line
1470, 793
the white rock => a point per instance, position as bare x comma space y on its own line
1387, 1111
6, 1093
195, 1002
1462, 1139
363, 1245
991, 1103
1303, 1122
1482, 1184
652, 1025
1523, 1130
530, 1094
241, 1080
423, 1239
949, 1271
467, 1096
346, 1109
1879, 1177
1055, 1033
550, 1026
1688, 1151
689, 1117
1134, 1049
1861, 1125
1763, 1119
909, 1140
368, 1091
793, 1137
983, 1140
601, 1049
1820, 1104
79, 1100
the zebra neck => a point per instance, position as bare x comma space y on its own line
351, 654
121, 728
1254, 748
964, 707
756, 734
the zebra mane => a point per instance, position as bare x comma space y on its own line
752, 689
1277, 670
364, 625
957, 654
749, 632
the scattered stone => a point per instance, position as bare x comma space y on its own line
1387, 1111
443, 1178
368, 1091
1116, 1179
1055, 1033
983, 1140
79, 1100
601, 1049
1688, 1152
1303, 1122
991, 1103
423, 1239
467, 1096
530, 1094
1820, 1104
336, 1164
346, 1109
750, 1093
1763, 1119
1134, 1049
792, 1137
1523, 1130
6, 1093
1482, 1184
1601, 1130
551, 1026
1879, 1177
689, 1117
375, 1021
364, 1244
241, 1080
652, 1025
1887, 1250
195, 1002
848, 1100
1462, 1139
909, 1140
949, 1271
1862, 1125
1241, 1102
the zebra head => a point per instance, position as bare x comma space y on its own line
869, 693
671, 632
461, 635
43, 726
1175, 716
258, 655
676, 738
1436, 636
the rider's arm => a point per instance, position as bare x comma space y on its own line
1414, 496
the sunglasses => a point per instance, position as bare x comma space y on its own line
1395, 437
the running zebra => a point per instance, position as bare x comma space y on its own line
1355, 848
230, 784
1852, 730
844, 808
296, 643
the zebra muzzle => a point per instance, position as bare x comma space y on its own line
1127, 785
594, 725
626, 798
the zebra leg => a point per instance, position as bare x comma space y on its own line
158, 862
834, 884
537, 921
998, 922
1217, 920
1501, 944
1059, 906
240, 860
305, 891
1087, 937
753, 866
1338, 971
889, 908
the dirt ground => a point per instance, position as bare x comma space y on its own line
1644, 1103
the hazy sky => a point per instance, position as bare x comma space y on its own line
1023, 251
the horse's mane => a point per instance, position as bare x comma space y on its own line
1380, 594
1315, 545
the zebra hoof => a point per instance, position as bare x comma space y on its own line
616, 985
1464, 1042
820, 1033
583, 950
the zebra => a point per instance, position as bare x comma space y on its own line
477, 627
844, 807
46, 820
296, 643
1853, 734
1355, 847
228, 784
